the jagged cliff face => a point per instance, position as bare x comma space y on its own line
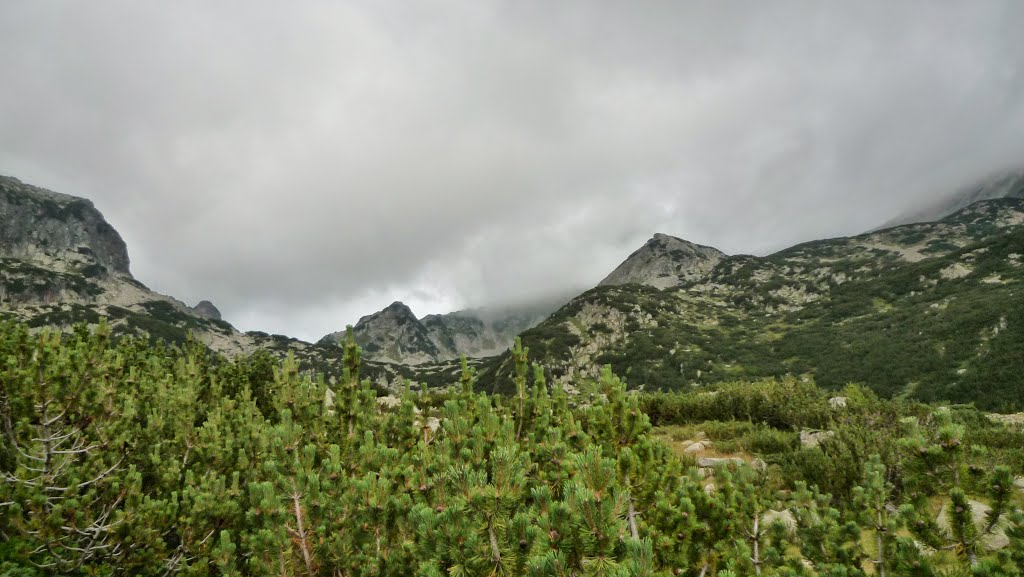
54, 247
45, 227
665, 261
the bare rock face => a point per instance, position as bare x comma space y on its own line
42, 226
206, 309
54, 248
665, 261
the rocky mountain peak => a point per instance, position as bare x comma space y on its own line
665, 261
206, 309
398, 308
393, 334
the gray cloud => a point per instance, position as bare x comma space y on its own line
304, 165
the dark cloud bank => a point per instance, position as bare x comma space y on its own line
303, 164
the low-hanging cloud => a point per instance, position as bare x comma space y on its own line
301, 165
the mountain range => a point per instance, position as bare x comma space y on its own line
928, 307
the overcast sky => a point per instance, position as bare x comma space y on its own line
301, 164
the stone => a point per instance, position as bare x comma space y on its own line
388, 402
1012, 419
695, 448
837, 402
712, 462
810, 439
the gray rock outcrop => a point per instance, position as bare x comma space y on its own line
665, 261
206, 309
42, 227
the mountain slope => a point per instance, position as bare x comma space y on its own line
932, 310
1004, 185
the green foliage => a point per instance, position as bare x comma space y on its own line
131, 457
785, 403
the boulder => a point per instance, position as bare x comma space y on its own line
1013, 419
711, 462
837, 402
695, 448
810, 438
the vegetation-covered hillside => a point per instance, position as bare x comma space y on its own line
929, 310
141, 459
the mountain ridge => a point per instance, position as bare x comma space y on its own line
807, 309
394, 334
662, 320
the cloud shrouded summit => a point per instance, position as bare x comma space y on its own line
302, 165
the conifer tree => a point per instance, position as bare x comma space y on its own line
522, 364
1016, 535
875, 511
937, 460
824, 539
66, 489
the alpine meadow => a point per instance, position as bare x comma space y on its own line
503, 289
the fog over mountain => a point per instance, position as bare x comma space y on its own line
303, 165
